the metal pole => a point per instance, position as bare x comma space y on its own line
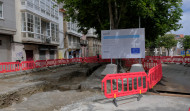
110, 29
139, 22
139, 27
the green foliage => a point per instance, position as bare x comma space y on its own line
167, 41
157, 16
185, 42
149, 44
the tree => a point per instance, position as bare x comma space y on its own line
167, 41
150, 46
156, 16
185, 42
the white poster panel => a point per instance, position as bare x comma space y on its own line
123, 43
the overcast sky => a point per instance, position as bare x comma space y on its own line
185, 19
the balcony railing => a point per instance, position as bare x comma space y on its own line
38, 38
73, 29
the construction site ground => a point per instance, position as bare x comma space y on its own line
78, 88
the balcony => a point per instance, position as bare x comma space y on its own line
83, 42
28, 37
44, 11
74, 45
91, 33
73, 29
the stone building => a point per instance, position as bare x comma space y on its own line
94, 44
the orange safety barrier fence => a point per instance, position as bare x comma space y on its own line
26, 65
148, 64
166, 59
65, 61
9, 67
123, 84
58, 61
154, 75
50, 62
40, 63
177, 59
130, 62
186, 59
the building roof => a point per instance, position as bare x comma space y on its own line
178, 36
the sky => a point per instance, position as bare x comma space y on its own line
185, 19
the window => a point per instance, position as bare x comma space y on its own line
37, 27
30, 3
1, 10
48, 29
23, 22
52, 9
37, 5
69, 37
53, 31
56, 12
48, 10
30, 22
43, 6
57, 32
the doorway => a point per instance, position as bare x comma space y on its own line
29, 55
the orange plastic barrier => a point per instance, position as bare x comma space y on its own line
148, 64
58, 61
177, 59
65, 61
129, 62
9, 67
123, 84
50, 62
186, 59
40, 63
154, 75
26, 65
166, 59
73, 60
91, 60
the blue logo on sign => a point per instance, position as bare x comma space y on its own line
135, 50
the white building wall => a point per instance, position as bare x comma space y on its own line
61, 50
18, 48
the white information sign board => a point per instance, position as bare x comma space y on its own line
123, 43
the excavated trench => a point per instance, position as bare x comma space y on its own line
68, 78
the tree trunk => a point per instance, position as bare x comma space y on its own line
168, 52
111, 15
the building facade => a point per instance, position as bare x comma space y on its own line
37, 36
94, 44
72, 40
7, 29
84, 46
